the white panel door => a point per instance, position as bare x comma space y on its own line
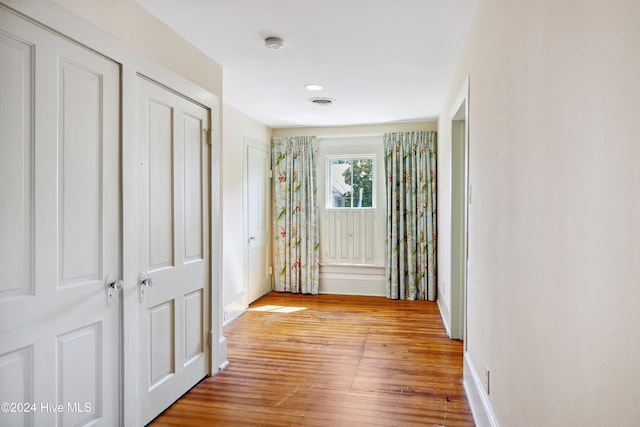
258, 217
59, 230
172, 241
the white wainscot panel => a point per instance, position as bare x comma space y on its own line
345, 235
369, 226
332, 232
348, 237
356, 234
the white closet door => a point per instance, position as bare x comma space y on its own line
258, 217
59, 229
173, 240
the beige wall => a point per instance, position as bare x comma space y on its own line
554, 258
132, 24
236, 126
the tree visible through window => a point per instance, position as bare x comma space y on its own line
351, 182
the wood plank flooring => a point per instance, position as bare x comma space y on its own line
338, 361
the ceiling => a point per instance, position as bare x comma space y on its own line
382, 61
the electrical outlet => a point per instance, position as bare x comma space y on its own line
487, 380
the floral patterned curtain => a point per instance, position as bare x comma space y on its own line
295, 215
410, 167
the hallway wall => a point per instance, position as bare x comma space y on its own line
236, 126
554, 257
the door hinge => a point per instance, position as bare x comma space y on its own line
208, 135
270, 174
270, 270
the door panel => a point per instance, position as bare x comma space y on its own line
160, 192
172, 241
193, 176
16, 170
79, 354
60, 228
194, 308
79, 198
258, 217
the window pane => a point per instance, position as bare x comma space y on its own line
351, 183
341, 189
362, 183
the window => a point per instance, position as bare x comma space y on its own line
350, 182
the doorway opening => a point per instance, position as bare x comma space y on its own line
460, 199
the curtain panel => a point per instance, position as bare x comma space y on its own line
410, 167
295, 215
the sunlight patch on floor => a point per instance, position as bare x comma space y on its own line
277, 309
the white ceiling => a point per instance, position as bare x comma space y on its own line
381, 60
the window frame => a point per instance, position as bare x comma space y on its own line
328, 193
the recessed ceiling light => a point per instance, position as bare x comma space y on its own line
273, 43
313, 87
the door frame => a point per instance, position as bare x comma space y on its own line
132, 62
460, 200
249, 142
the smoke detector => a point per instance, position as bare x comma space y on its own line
274, 43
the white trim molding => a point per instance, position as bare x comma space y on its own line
444, 314
459, 205
478, 400
222, 361
352, 279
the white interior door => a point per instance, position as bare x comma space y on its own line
258, 217
173, 229
59, 230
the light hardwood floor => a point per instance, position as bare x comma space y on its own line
338, 361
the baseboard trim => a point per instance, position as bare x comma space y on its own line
222, 353
234, 308
352, 287
445, 315
478, 400
232, 315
